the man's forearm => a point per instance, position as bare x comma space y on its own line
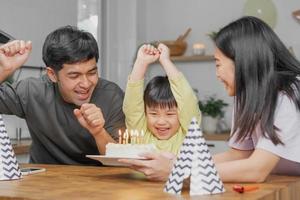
102, 139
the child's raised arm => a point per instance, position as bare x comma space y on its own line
146, 55
184, 95
165, 61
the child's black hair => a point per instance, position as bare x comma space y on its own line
158, 93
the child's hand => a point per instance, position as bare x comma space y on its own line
166, 62
147, 54
164, 52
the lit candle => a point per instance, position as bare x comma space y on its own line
120, 136
137, 135
142, 136
132, 139
125, 137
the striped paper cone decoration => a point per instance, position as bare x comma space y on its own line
9, 167
194, 161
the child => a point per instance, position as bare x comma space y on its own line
169, 103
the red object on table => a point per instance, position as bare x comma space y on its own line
242, 189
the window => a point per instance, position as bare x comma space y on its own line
88, 15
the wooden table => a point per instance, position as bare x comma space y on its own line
80, 182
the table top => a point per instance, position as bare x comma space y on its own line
82, 182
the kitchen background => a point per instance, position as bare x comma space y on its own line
120, 26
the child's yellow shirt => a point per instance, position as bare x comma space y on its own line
187, 106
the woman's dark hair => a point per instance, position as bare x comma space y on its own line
158, 93
263, 68
68, 45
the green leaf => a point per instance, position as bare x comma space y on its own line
212, 107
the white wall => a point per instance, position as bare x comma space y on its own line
119, 36
33, 20
127, 24
167, 19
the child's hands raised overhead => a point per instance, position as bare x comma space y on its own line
164, 52
164, 59
147, 54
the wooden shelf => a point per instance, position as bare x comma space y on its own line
193, 58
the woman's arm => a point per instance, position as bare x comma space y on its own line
254, 168
156, 167
233, 165
231, 154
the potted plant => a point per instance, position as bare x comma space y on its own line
212, 35
212, 110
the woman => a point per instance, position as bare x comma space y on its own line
258, 70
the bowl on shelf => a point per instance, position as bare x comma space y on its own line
177, 48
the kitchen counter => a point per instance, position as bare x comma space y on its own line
84, 182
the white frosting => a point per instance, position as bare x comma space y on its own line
128, 150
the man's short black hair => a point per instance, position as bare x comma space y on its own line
158, 93
68, 45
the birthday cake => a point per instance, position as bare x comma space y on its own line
128, 150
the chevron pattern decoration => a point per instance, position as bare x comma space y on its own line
9, 167
194, 161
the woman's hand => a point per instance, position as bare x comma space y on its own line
156, 167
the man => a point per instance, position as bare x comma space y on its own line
70, 111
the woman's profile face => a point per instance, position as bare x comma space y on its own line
225, 71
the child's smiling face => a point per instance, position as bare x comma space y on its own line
162, 122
